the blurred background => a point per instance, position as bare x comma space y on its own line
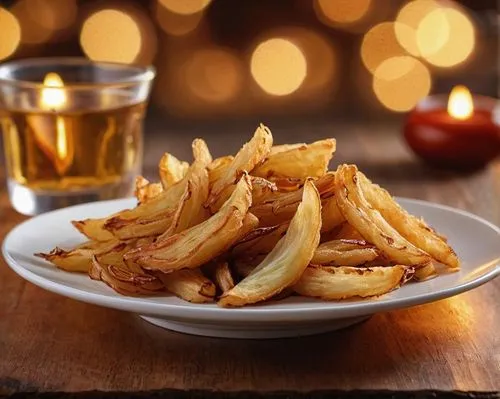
250, 60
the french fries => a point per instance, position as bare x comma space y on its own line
287, 261
410, 227
171, 170
346, 282
309, 160
250, 155
146, 191
199, 244
344, 253
370, 223
189, 284
262, 225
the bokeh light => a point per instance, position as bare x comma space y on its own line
341, 11
214, 75
185, 7
400, 82
379, 44
176, 24
111, 35
408, 20
33, 32
446, 37
10, 32
278, 66
53, 14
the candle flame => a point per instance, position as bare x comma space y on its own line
460, 105
61, 142
52, 96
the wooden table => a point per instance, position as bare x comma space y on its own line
49, 343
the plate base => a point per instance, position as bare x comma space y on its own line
250, 332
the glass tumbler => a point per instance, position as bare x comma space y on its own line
73, 130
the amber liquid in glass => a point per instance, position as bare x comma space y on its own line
74, 151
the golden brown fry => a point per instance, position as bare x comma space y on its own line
425, 273
189, 284
171, 170
251, 154
370, 223
287, 184
309, 160
415, 230
244, 266
146, 191
281, 207
223, 277
199, 244
218, 167
285, 147
344, 253
127, 279
124, 281
262, 190
346, 282
259, 241
342, 231
284, 265
330, 214
156, 219
78, 259
190, 211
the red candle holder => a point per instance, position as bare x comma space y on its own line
444, 140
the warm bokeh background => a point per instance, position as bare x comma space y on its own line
248, 59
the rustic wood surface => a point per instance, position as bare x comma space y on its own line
51, 343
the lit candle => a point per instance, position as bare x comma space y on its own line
460, 133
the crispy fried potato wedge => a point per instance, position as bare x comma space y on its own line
146, 191
171, 170
344, 253
251, 154
189, 284
126, 279
346, 282
415, 230
199, 244
262, 190
78, 259
223, 277
284, 265
259, 241
330, 214
218, 167
287, 184
340, 232
243, 266
425, 273
119, 277
190, 211
309, 160
285, 147
281, 207
370, 223
155, 216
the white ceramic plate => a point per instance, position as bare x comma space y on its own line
476, 241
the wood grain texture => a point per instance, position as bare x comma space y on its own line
51, 343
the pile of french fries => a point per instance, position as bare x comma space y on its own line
268, 222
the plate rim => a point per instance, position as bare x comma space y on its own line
246, 314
